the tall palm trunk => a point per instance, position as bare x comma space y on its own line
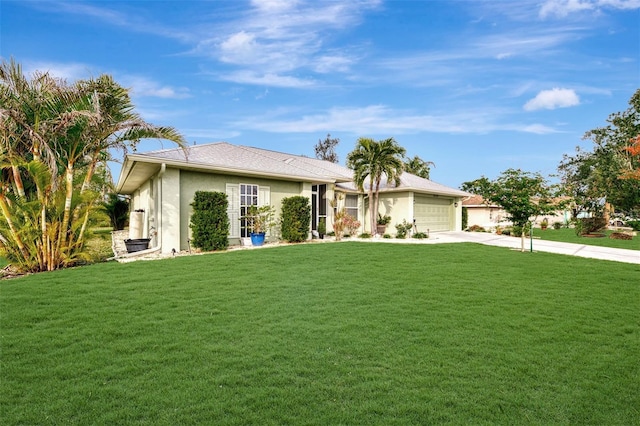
4, 206
64, 225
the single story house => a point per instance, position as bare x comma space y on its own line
489, 215
483, 213
162, 185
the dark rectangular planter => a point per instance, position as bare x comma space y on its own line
137, 244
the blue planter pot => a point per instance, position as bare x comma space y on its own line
257, 239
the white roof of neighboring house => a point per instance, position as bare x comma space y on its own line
226, 158
409, 182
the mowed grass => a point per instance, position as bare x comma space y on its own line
568, 235
342, 333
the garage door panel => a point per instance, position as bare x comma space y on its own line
433, 214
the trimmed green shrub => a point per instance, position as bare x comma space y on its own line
209, 221
589, 225
476, 228
557, 225
634, 224
364, 235
295, 220
420, 235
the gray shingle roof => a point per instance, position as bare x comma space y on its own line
249, 160
223, 155
410, 182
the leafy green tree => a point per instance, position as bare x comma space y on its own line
326, 149
371, 161
523, 195
605, 174
417, 166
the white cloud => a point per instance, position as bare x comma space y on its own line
70, 72
380, 119
552, 99
145, 87
267, 79
539, 129
283, 37
563, 8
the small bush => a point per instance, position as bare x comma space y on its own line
634, 224
296, 219
209, 221
519, 230
557, 225
590, 225
620, 236
364, 235
506, 231
476, 228
402, 229
387, 236
420, 235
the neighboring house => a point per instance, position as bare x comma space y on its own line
483, 213
162, 185
489, 215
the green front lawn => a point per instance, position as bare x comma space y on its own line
325, 334
568, 235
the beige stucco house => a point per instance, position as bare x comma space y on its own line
162, 185
489, 215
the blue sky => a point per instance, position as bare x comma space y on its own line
474, 86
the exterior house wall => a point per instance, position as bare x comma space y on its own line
487, 217
142, 200
169, 198
190, 182
398, 205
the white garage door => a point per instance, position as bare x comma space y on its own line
432, 213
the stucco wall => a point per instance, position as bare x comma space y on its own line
190, 182
398, 205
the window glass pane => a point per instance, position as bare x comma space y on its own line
351, 201
322, 200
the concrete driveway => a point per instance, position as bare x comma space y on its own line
582, 250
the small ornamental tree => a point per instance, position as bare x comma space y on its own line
209, 222
523, 195
295, 220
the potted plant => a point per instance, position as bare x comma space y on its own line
322, 227
259, 221
544, 224
382, 223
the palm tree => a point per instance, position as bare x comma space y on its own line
417, 166
53, 135
371, 160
